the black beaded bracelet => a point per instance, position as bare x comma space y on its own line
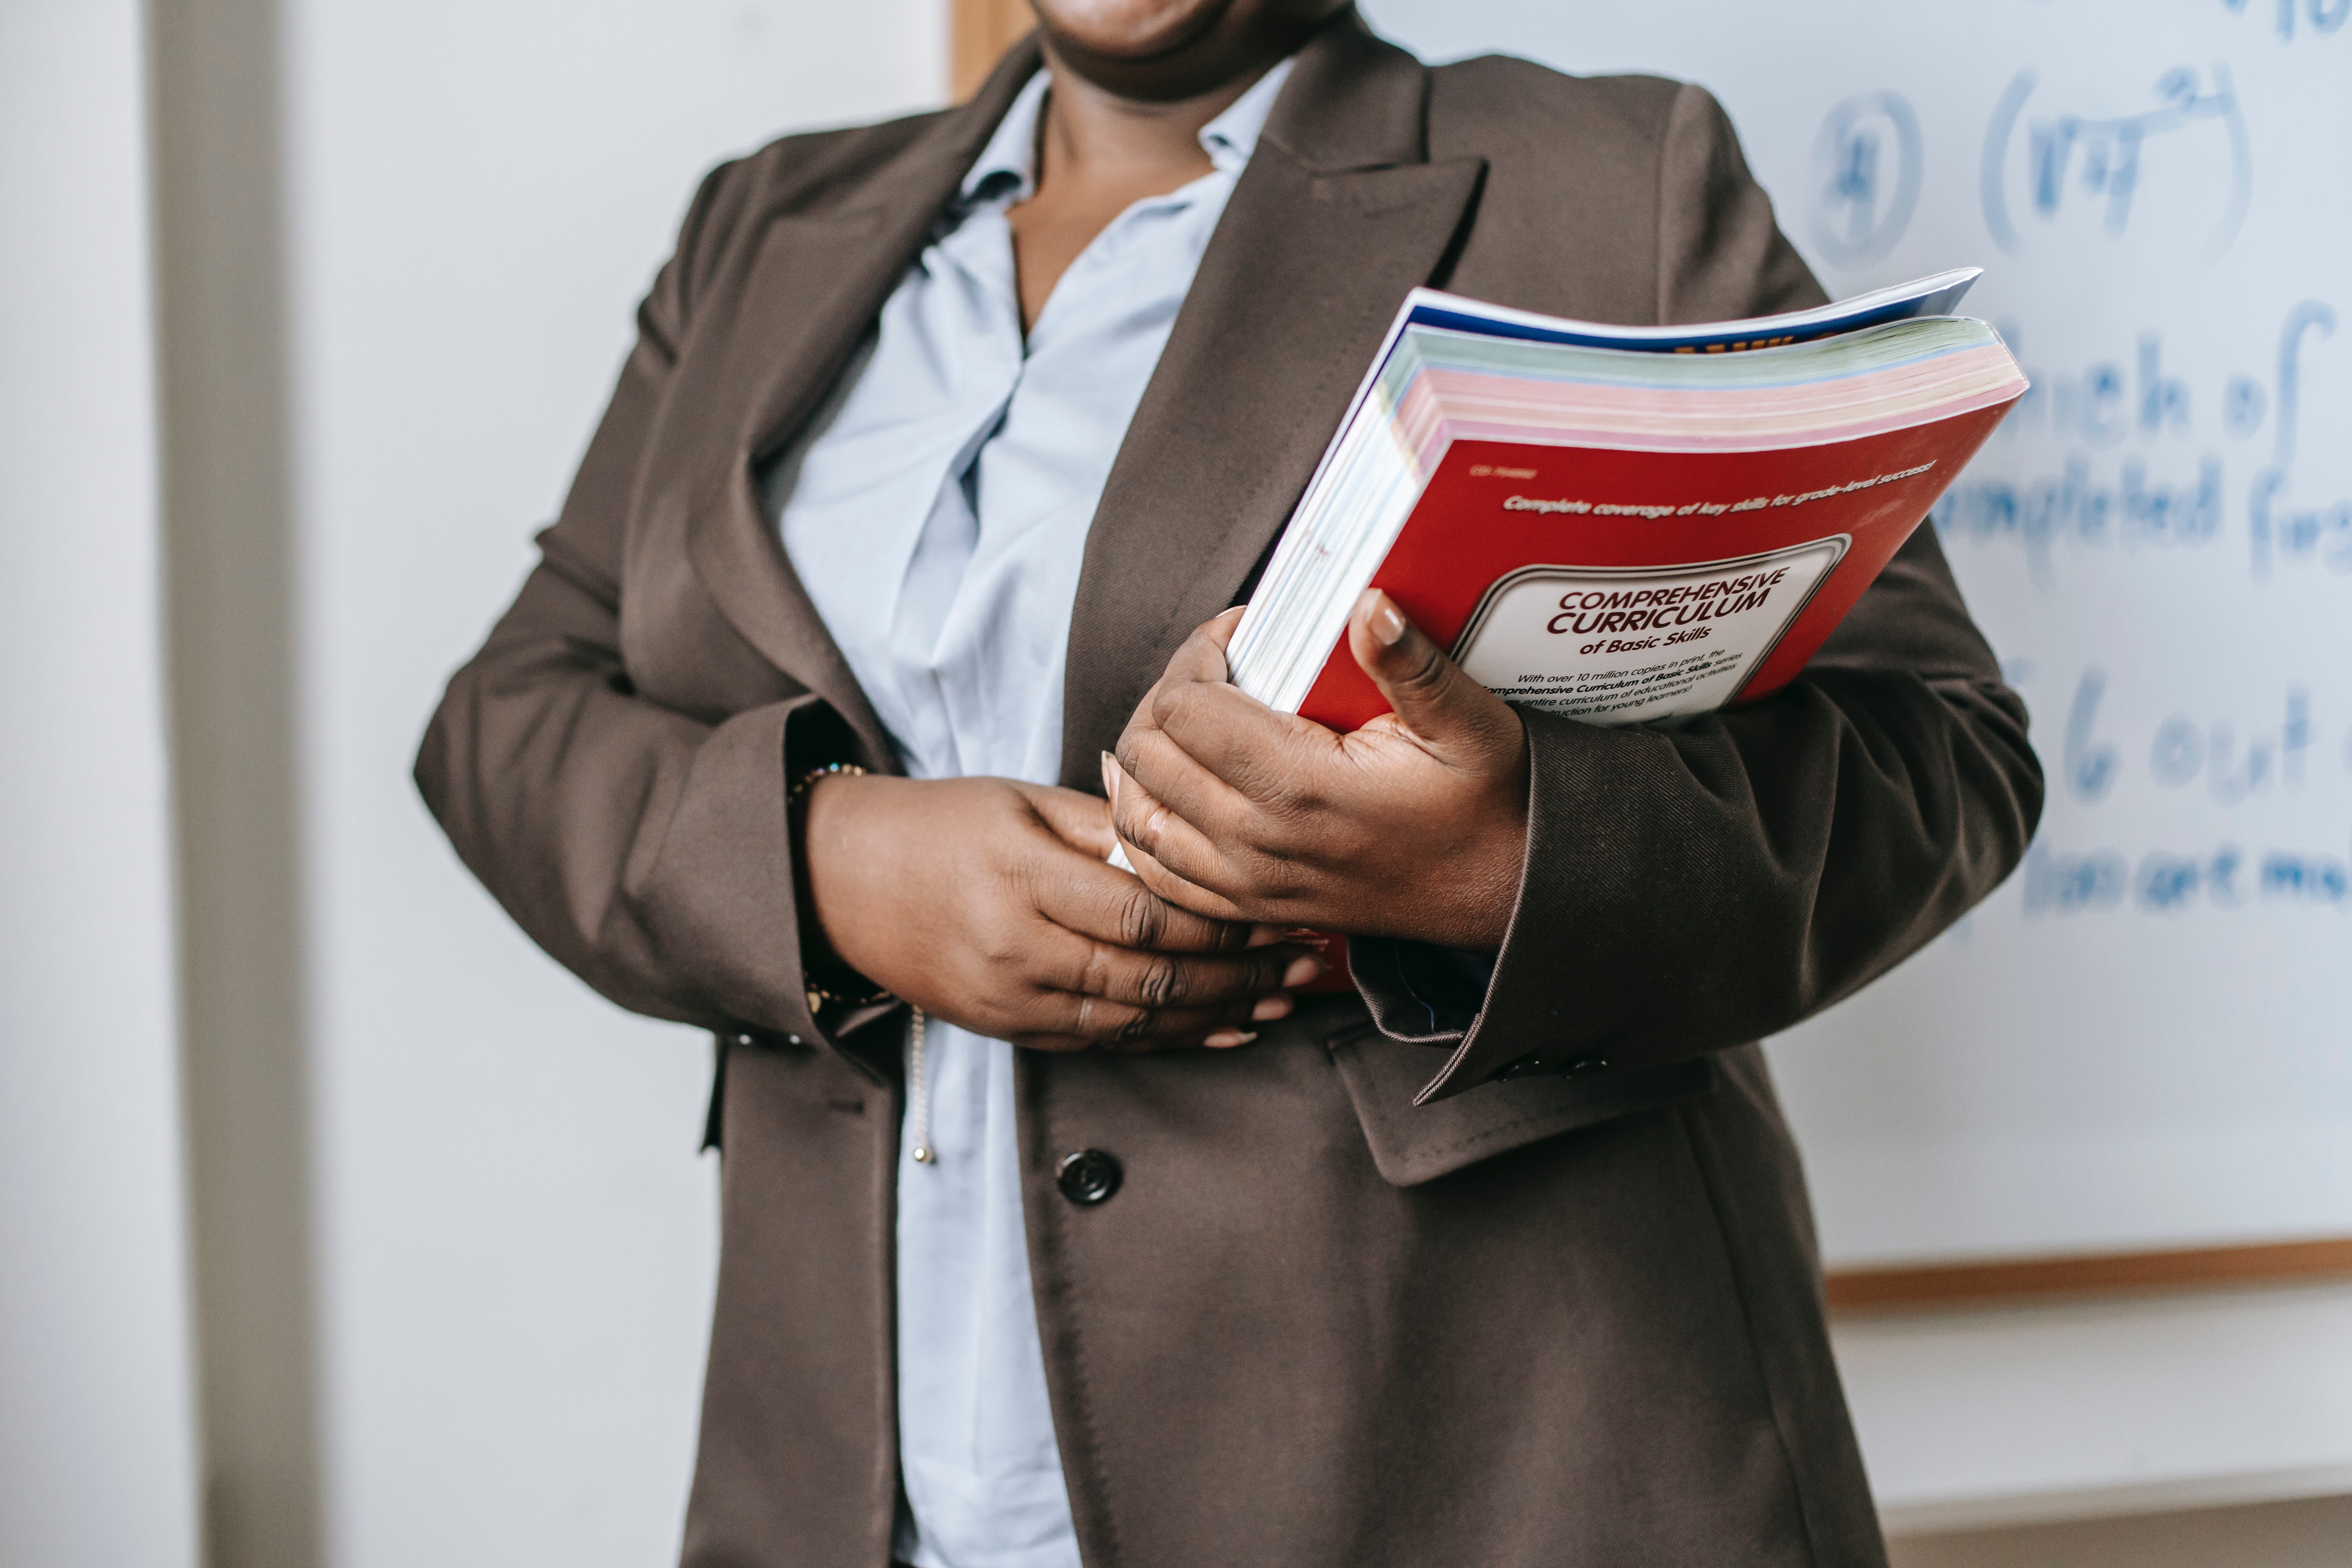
801, 785
821, 996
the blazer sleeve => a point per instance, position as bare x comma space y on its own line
646, 850
1696, 885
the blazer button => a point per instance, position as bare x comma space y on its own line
1088, 1177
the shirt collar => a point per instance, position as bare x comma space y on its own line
1006, 168
1232, 137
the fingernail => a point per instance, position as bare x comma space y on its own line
1225, 1039
1110, 779
1269, 1009
1301, 971
1381, 613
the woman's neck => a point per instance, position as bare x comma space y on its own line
1089, 134
1097, 154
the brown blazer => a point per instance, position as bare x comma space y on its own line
1567, 1313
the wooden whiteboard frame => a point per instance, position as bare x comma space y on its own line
980, 31
1853, 1291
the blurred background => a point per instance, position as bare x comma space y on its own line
308, 307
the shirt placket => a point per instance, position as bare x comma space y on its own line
930, 648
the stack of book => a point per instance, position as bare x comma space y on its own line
1622, 524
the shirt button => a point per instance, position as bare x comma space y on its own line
1582, 1066
1088, 1177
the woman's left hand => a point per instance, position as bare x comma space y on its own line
1414, 826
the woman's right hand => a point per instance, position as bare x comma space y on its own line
989, 903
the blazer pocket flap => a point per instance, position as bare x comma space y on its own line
1411, 1145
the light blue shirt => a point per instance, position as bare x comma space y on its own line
937, 512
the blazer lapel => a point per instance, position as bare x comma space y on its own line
817, 282
1337, 216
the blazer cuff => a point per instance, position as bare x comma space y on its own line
1418, 994
722, 892
1518, 1018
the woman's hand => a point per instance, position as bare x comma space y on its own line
1415, 826
988, 903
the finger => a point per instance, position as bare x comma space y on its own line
1186, 895
1105, 1024
1442, 707
1191, 896
1080, 821
1201, 658
1220, 1038
1096, 900
1149, 828
1165, 774
1231, 737
1165, 981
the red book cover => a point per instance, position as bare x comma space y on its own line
1615, 586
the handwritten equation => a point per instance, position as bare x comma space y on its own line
2228, 766
1871, 158
2231, 759
2227, 877
2070, 158
2134, 407
2311, 18
2227, 761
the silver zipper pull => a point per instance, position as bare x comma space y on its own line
918, 1094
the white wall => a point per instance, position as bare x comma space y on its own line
97, 1453
517, 1237
2075, 1409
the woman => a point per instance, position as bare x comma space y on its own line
1060, 1223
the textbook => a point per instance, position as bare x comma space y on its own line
1621, 524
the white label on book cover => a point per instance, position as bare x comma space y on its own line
1619, 646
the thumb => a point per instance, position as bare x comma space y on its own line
1441, 706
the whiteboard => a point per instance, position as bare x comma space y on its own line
2144, 1040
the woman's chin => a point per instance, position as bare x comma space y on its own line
1129, 32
